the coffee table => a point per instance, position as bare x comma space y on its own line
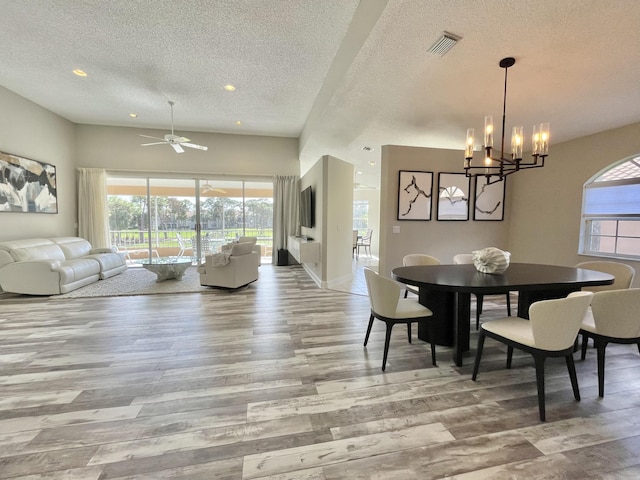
167, 267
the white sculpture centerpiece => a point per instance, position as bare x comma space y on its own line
491, 260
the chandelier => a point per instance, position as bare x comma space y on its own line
495, 169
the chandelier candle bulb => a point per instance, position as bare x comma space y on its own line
535, 140
488, 131
468, 152
544, 139
516, 143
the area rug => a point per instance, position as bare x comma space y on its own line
138, 281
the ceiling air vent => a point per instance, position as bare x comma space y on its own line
445, 43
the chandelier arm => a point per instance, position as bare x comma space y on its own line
504, 113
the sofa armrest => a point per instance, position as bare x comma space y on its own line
36, 277
103, 250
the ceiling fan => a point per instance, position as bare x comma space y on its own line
207, 187
176, 141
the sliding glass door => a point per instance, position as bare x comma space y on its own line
167, 217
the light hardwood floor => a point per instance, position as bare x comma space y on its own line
273, 382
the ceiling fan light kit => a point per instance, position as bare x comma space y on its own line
176, 141
495, 169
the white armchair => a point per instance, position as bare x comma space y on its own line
232, 269
252, 240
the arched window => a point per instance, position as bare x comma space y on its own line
610, 224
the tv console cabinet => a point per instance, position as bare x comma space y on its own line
304, 251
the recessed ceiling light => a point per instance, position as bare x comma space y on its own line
133, 115
80, 73
359, 172
372, 163
229, 88
238, 122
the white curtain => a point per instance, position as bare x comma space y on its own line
93, 212
286, 196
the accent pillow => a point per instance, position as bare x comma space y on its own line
241, 249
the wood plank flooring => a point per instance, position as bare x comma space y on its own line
272, 382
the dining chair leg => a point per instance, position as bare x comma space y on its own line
409, 331
476, 365
571, 366
539, 362
366, 338
479, 302
509, 356
432, 343
406, 293
601, 346
387, 340
585, 342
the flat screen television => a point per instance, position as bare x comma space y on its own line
306, 208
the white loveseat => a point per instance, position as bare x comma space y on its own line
50, 266
231, 269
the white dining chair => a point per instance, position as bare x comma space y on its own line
550, 332
414, 259
623, 274
387, 306
614, 317
467, 258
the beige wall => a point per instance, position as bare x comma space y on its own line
338, 232
331, 180
546, 203
118, 148
439, 239
30, 131
314, 179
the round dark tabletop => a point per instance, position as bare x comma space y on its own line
519, 276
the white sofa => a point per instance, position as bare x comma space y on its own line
50, 266
231, 269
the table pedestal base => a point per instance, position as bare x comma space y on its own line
166, 271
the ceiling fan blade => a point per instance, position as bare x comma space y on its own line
149, 136
154, 143
177, 147
193, 145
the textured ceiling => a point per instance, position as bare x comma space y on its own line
339, 74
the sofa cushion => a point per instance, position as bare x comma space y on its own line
73, 247
108, 261
32, 249
77, 269
241, 249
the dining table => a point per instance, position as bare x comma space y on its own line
446, 290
